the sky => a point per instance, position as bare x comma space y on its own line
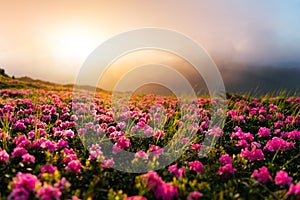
51, 39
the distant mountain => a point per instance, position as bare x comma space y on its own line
7, 82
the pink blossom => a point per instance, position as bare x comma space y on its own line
21, 141
153, 179
74, 165
293, 134
47, 192
226, 170
295, 190
18, 194
196, 146
254, 154
159, 134
141, 154
4, 157
264, 132
262, 174
18, 152
155, 151
215, 131
69, 133
19, 126
26, 181
50, 145
166, 191
116, 134
179, 172
123, 142
196, 166
278, 144
62, 184
225, 159
96, 153
69, 158
107, 163
194, 196
27, 158
282, 178
48, 168
62, 143
242, 143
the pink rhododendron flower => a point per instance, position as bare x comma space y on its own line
159, 134
141, 154
62, 143
18, 194
278, 144
62, 184
47, 192
226, 170
69, 133
48, 168
21, 141
194, 196
264, 132
155, 151
96, 153
196, 146
26, 181
254, 154
295, 134
4, 157
107, 163
166, 191
179, 172
123, 142
242, 143
262, 174
282, 178
74, 165
295, 190
161, 189
196, 166
225, 159
215, 131
27, 158
19, 151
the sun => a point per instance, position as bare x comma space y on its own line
74, 44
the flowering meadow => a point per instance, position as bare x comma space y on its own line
43, 156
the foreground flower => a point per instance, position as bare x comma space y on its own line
226, 170
264, 132
48, 192
254, 154
179, 172
18, 194
225, 159
4, 157
27, 158
163, 190
282, 178
278, 144
295, 190
194, 196
23, 185
74, 165
262, 174
196, 166
48, 168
